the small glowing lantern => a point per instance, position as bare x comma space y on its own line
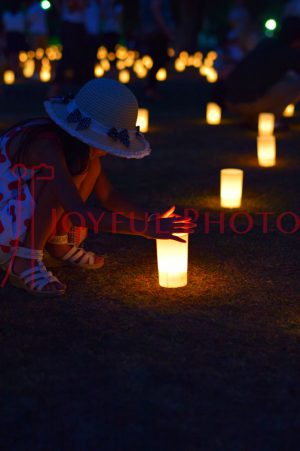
179, 65
172, 262
105, 64
289, 111
45, 75
39, 54
213, 114
161, 74
23, 57
231, 188
9, 77
266, 124
98, 71
147, 61
266, 151
212, 75
29, 68
171, 52
124, 76
143, 120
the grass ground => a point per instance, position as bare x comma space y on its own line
120, 363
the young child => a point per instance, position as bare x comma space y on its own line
62, 155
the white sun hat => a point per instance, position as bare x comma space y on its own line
103, 115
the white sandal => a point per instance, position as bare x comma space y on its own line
77, 255
35, 279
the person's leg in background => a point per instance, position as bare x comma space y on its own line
157, 45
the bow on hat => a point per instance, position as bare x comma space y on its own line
76, 116
122, 136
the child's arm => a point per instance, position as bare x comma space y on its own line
97, 219
112, 200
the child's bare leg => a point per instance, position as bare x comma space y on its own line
40, 228
85, 184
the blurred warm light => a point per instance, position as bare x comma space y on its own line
120, 65
289, 111
31, 54
266, 151
111, 56
161, 74
208, 62
213, 113
212, 55
143, 120
147, 61
266, 124
105, 64
142, 72
172, 262
231, 188
179, 65
39, 53
124, 76
9, 77
204, 70
171, 52
23, 57
45, 75
98, 70
212, 76
29, 69
122, 53
184, 56
46, 63
102, 53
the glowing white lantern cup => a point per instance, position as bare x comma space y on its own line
266, 124
9, 77
172, 261
143, 120
213, 114
289, 111
266, 151
231, 188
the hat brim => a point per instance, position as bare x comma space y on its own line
139, 146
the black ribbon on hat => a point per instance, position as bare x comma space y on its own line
122, 136
76, 116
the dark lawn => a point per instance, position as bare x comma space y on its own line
120, 363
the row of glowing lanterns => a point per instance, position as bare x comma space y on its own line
172, 256
124, 60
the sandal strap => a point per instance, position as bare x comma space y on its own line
80, 256
29, 254
38, 277
59, 239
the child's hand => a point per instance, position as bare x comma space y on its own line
164, 228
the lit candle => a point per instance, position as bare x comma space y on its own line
289, 111
231, 188
9, 77
266, 123
266, 151
172, 261
161, 74
143, 120
213, 114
